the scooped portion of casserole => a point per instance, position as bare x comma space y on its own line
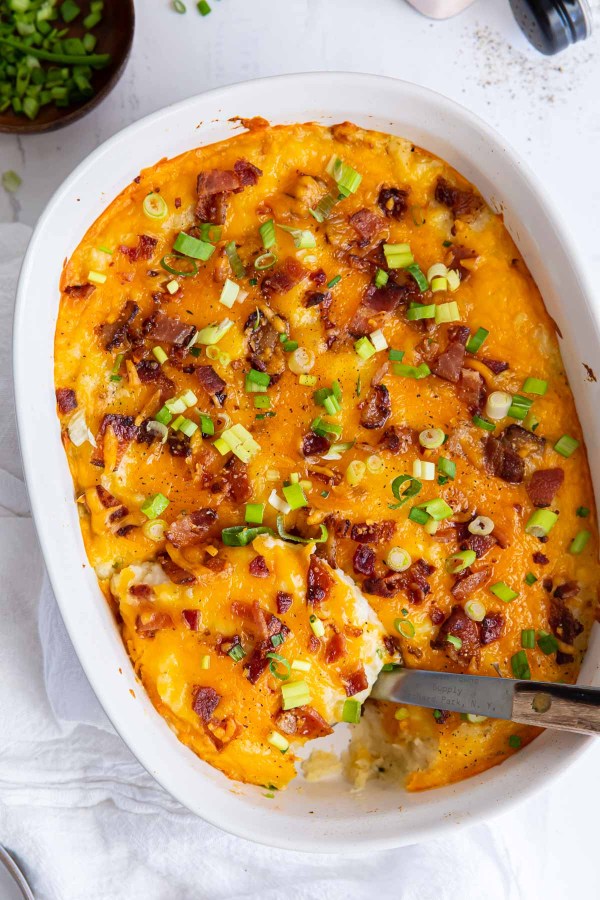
318, 424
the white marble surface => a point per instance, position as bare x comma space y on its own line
547, 108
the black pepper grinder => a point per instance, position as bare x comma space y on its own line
552, 25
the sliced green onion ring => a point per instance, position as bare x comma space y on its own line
265, 261
412, 486
155, 206
181, 273
277, 658
294, 538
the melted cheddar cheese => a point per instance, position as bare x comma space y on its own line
326, 417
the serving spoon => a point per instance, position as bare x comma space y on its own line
566, 707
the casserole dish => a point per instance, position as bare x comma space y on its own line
372, 819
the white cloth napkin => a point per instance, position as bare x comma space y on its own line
86, 821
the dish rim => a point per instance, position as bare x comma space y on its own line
481, 807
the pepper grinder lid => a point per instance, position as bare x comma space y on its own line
553, 25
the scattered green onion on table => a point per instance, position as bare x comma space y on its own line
42, 61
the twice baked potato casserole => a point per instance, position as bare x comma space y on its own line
318, 425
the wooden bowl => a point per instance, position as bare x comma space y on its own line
115, 36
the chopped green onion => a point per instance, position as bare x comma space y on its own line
192, 247
364, 348
163, 416
301, 665
417, 311
181, 273
295, 694
398, 559
503, 592
419, 516
351, 711
535, 386
154, 505
276, 658
323, 208
458, 562
335, 280
514, 741
68, 10
160, 354
475, 610
483, 423
541, 522
566, 445
303, 240
237, 652
412, 486
307, 380
188, 427
210, 232
348, 179
528, 638
267, 234
481, 525
447, 467
404, 627
474, 343
418, 372
96, 277
396, 355
579, 542
498, 405
398, 256
203, 7
240, 536
212, 334
381, 278
454, 640
229, 293
294, 538
437, 508
401, 714
261, 401
295, 496
205, 661
173, 286
316, 625
520, 665
262, 379
423, 469
530, 579
179, 6
530, 422
519, 407
264, 261
582, 512
418, 275
234, 260
278, 741
254, 513
547, 643
11, 182
323, 428
155, 207
355, 472
207, 426
446, 312
432, 438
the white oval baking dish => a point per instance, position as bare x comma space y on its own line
323, 817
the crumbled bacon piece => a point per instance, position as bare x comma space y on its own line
336, 648
211, 381
502, 461
544, 485
471, 389
284, 601
413, 582
373, 532
168, 328
318, 277
106, 498
258, 567
246, 172
283, 277
436, 614
148, 624
392, 202
356, 682
174, 572
144, 248
461, 202
204, 702
310, 724
363, 560
66, 399
376, 408
142, 591
449, 364
460, 626
319, 581
367, 224
314, 444
497, 366
191, 617
193, 528
114, 334
469, 582
540, 558
398, 439
563, 623
179, 445
490, 628
80, 291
